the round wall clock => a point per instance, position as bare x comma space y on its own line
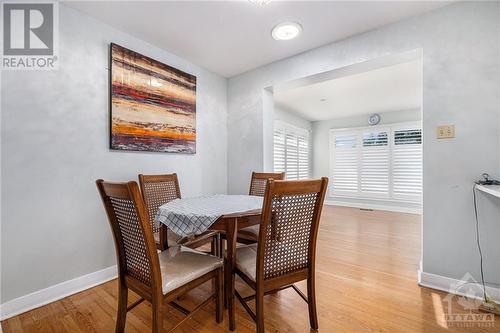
374, 119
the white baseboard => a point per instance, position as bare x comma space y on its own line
56, 292
375, 206
445, 284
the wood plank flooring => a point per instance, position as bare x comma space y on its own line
366, 282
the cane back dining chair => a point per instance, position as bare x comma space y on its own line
258, 183
159, 189
161, 277
286, 249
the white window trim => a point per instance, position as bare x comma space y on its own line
390, 128
290, 127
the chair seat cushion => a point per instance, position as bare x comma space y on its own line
180, 265
246, 260
249, 233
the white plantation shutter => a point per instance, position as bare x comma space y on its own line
303, 155
377, 162
345, 163
279, 150
292, 156
407, 163
291, 151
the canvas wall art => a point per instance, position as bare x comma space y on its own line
153, 105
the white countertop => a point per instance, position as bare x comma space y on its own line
490, 189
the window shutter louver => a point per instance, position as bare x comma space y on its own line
345, 167
382, 162
375, 164
291, 151
279, 150
292, 156
407, 163
303, 156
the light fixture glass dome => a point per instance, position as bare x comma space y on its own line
286, 31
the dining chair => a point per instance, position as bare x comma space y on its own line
161, 277
159, 189
286, 250
250, 235
259, 180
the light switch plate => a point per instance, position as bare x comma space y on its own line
445, 132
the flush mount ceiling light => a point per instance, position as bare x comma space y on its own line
286, 31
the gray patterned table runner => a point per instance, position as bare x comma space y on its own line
193, 216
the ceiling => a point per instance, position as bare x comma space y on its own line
231, 37
392, 88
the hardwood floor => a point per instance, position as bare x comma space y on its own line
366, 282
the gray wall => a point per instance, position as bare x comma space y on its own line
54, 144
321, 143
461, 68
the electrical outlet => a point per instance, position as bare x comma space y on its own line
446, 132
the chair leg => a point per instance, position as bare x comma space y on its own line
221, 247
214, 250
311, 303
213, 246
226, 286
219, 283
157, 318
259, 310
122, 307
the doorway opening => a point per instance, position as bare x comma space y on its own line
361, 126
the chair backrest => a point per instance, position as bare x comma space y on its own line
259, 181
156, 191
289, 226
134, 243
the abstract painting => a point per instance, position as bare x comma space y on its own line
153, 105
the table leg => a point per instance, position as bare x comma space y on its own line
163, 237
231, 231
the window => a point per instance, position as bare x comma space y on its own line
291, 151
407, 163
345, 163
375, 163
382, 162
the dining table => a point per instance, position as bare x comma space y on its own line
225, 213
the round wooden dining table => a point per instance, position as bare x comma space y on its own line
228, 223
